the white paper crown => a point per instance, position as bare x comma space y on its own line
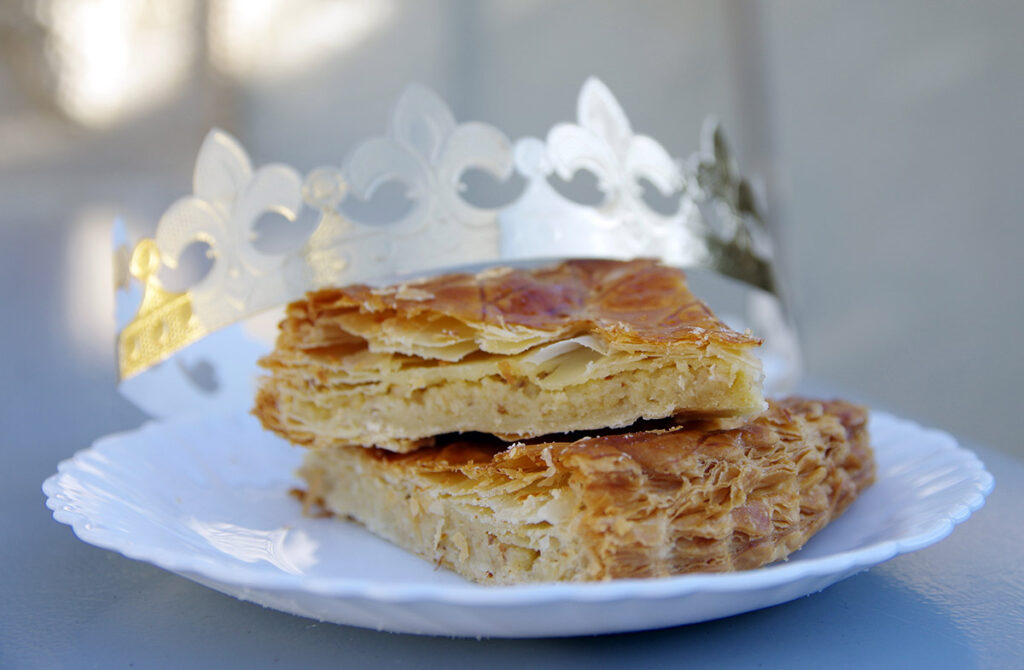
716, 225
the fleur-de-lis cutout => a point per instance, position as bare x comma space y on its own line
426, 150
604, 143
228, 198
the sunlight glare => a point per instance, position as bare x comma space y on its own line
114, 57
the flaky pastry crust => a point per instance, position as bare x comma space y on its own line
518, 353
695, 497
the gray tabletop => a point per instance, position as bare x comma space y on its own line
958, 604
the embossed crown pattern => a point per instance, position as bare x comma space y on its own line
716, 225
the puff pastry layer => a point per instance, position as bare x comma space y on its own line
516, 353
695, 497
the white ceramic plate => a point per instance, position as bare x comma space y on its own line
207, 498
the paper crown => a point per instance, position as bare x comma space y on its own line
716, 225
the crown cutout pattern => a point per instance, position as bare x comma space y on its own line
603, 143
716, 225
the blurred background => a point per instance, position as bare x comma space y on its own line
885, 139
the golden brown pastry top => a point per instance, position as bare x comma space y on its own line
628, 304
652, 454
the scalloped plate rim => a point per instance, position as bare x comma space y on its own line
262, 576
